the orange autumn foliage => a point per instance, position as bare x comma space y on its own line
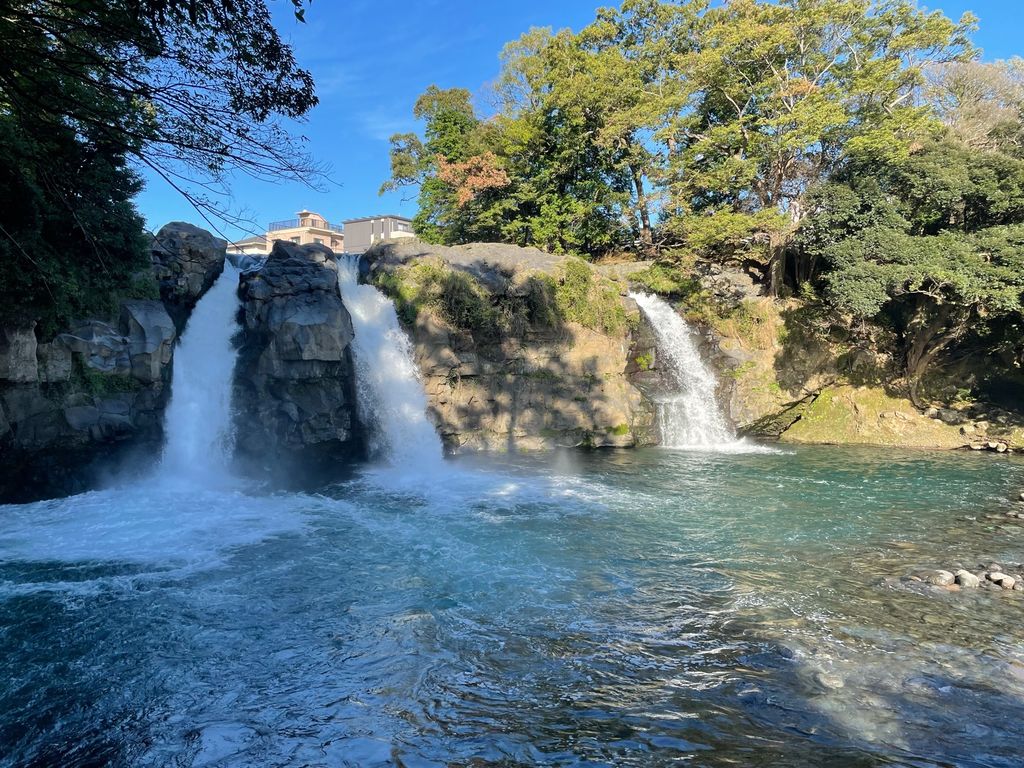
470, 178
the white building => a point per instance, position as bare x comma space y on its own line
307, 227
360, 234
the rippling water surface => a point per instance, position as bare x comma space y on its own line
637, 608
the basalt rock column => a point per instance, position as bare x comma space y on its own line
295, 379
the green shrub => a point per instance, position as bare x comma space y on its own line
667, 280
593, 303
540, 301
94, 382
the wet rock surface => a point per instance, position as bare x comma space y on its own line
294, 389
96, 397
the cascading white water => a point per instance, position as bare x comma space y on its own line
689, 417
389, 391
197, 425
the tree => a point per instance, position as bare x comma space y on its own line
780, 94
450, 139
89, 90
932, 245
529, 176
981, 103
189, 89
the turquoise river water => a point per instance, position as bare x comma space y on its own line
634, 608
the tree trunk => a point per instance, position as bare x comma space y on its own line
643, 209
927, 338
776, 264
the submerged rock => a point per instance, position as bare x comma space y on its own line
295, 379
941, 578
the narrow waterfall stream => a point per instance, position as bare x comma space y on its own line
389, 390
197, 423
690, 417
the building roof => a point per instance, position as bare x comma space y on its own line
255, 240
378, 216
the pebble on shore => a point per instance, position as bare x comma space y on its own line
992, 575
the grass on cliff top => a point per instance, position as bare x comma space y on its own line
536, 301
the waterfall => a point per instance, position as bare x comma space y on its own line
390, 394
197, 424
690, 416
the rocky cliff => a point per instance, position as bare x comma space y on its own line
519, 349
81, 405
186, 262
294, 380
790, 372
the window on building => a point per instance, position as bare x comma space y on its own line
318, 240
294, 239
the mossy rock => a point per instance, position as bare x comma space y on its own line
846, 415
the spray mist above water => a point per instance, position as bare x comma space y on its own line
199, 439
390, 394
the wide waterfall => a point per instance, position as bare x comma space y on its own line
689, 417
197, 424
390, 394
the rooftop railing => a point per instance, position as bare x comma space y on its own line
297, 223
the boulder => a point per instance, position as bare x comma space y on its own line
18, 363
186, 261
295, 378
950, 416
941, 578
149, 334
1002, 579
101, 346
967, 579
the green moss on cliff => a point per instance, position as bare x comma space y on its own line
593, 302
535, 301
667, 280
847, 415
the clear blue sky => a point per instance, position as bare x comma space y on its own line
371, 59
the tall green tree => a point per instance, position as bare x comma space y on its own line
780, 94
931, 245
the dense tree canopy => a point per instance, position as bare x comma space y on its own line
931, 245
856, 148
89, 91
699, 126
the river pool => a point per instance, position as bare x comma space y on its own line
626, 608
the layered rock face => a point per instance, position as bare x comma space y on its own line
538, 385
91, 400
186, 260
295, 379
81, 400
